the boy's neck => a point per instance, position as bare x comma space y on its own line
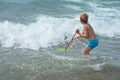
84, 23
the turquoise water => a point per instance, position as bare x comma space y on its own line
31, 31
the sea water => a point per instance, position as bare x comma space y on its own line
31, 31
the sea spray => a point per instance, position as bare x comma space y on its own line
46, 32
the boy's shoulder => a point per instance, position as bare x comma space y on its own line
86, 26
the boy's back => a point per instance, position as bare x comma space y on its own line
90, 32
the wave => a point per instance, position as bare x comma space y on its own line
46, 32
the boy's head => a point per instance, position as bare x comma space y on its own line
84, 18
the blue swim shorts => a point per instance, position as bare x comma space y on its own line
93, 43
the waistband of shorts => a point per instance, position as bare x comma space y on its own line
93, 39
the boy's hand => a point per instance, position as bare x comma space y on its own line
77, 31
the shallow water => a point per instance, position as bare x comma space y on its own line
25, 64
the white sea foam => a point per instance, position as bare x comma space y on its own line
73, 7
63, 57
98, 67
47, 31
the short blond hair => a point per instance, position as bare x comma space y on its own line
84, 17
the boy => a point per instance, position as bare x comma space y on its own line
87, 33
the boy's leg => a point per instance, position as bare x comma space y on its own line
86, 50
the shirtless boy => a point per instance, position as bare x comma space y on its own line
87, 33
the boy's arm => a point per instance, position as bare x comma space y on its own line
83, 34
78, 32
76, 37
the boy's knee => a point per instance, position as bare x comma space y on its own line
85, 52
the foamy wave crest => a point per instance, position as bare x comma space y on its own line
47, 31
